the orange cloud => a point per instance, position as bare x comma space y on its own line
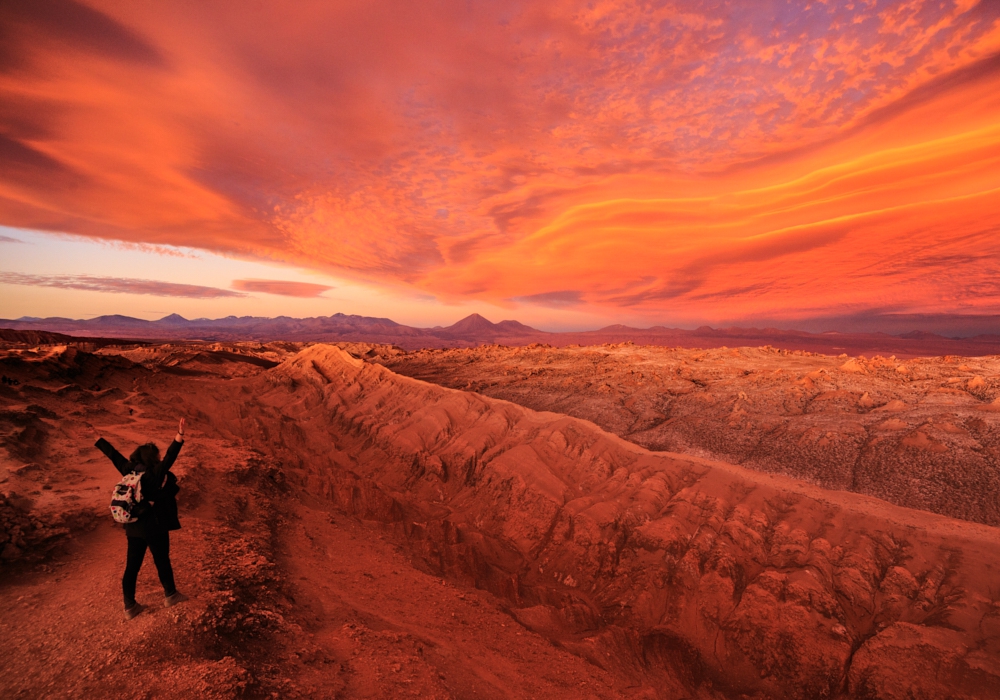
685, 159
281, 287
889, 227
117, 285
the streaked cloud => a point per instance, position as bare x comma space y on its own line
281, 287
694, 159
117, 285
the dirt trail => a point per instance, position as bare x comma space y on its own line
64, 631
64, 635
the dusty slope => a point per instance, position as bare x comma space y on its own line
290, 596
922, 433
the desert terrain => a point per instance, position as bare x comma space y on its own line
922, 433
592, 522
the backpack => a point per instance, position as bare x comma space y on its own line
127, 498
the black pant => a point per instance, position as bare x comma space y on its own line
159, 545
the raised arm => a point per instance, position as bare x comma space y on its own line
117, 458
173, 450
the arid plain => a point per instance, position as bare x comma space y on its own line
605, 521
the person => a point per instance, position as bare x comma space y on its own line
156, 517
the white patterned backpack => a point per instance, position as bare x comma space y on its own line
126, 497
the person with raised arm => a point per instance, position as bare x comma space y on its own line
153, 517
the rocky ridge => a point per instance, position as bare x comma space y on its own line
677, 571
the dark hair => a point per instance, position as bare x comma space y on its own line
147, 456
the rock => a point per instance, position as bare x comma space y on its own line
852, 365
907, 661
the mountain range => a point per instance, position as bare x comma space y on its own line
476, 330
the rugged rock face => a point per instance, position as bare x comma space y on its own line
921, 433
687, 574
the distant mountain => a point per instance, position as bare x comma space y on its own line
476, 330
829, 343
921, 335
472, 330
516, 327
472, 326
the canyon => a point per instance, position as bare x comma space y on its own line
601, 521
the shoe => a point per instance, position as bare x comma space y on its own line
174, 599
134, 610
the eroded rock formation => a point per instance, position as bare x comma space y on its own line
677, 575
681, 571
922, 433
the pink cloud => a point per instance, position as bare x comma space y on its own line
283, 288
117, 285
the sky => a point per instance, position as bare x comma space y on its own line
568, 164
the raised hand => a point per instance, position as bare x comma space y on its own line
180, 429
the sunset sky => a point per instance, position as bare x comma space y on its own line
569, 164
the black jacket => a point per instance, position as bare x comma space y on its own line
159, 487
